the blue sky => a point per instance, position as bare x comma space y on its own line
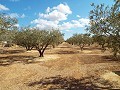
70, 16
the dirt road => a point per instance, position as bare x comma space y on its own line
64, 67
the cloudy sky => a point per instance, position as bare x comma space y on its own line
70, 16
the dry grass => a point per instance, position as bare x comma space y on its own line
64, 67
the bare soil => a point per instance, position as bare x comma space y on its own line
62, 68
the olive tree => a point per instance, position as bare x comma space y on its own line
105, 21
45, 38
100, 40
71, 40
80, 39
39, 39
58, 39
26, 38
8, 28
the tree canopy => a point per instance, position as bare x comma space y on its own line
80, 39
39, 39
105, 21
8, 28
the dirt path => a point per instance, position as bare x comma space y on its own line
59, 63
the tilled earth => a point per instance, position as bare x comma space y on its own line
62, 68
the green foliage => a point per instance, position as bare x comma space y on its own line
105, 21
7, 28
40, 39
45, 38
80, 40
101, 40
26, 38
7, 23
57, 39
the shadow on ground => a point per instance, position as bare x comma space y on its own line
70, 83
67, 52
111, 58
64, 47
8, 60
11, 51
92, 48
117, 72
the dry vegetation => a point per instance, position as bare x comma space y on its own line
64, 67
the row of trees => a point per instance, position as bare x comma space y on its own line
104, 28
80, 39
39, 39
28, 37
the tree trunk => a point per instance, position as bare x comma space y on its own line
81, 47
27, 48
31, 47
115, 54
41, 53
53, 46
102, 46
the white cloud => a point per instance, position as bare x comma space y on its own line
48, 10
45, 24
56, 18
14, 0
63, 8
66, 25
58, 13
68, 30
53, 16
16, 15
22, 16
78, 16
82, 22
2, 7
27, 8
17, 25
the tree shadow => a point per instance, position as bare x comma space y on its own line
11, 51
70, 83
63, 47
92, 48
67, 52
8, 60
111, 58
117, 72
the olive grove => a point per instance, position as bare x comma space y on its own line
105, 21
